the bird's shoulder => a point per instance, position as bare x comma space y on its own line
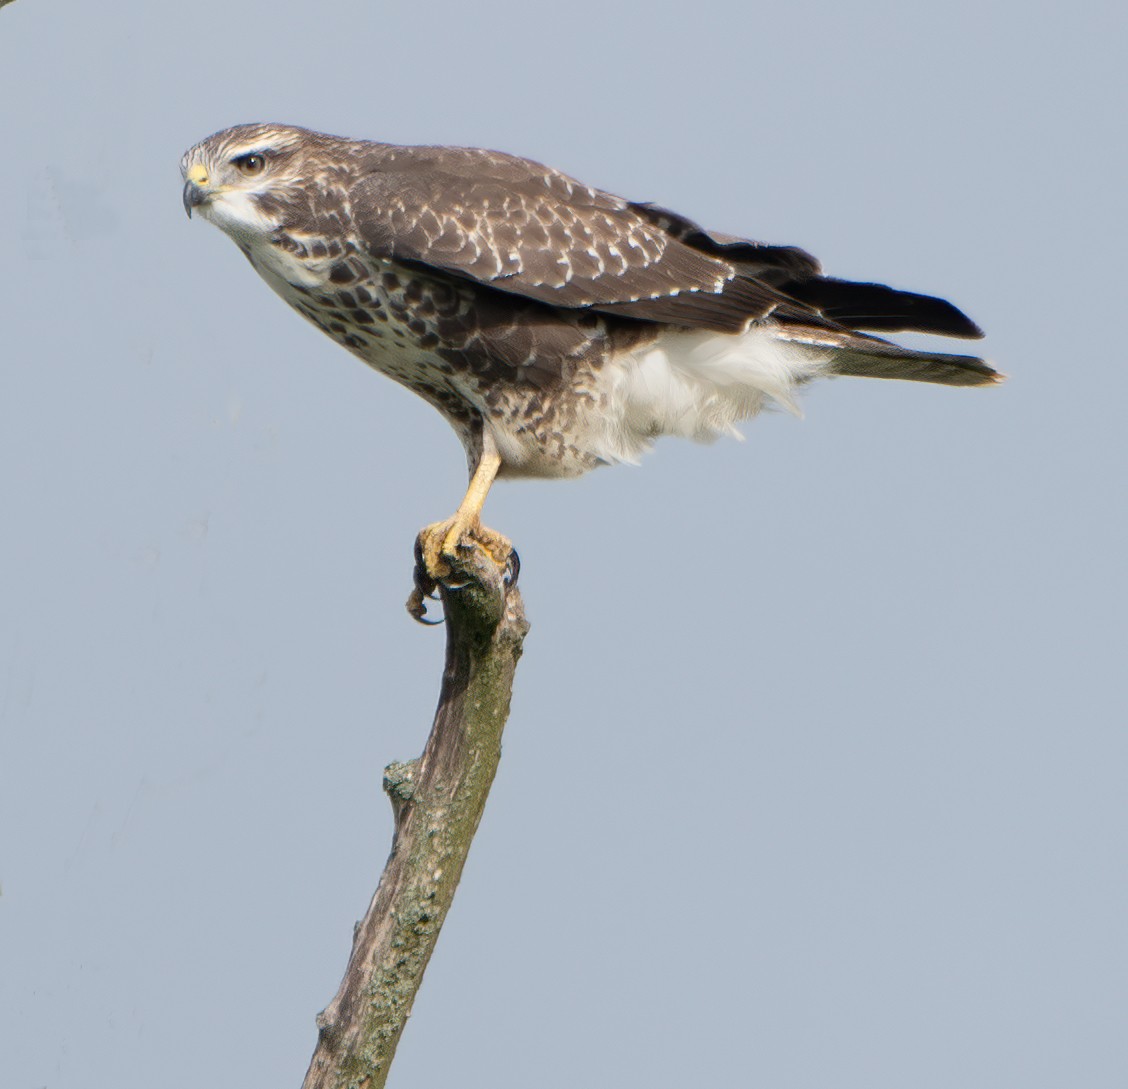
522, 227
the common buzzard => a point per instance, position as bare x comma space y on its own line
555, 326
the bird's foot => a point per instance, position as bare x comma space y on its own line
440, 543
437, 550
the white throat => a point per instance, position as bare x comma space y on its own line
237, 214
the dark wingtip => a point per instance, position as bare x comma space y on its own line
882, 309
974, 332
948, 319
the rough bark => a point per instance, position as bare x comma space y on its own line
438, 801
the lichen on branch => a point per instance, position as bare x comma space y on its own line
438, 801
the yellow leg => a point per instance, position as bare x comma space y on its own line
442, 540
468, 517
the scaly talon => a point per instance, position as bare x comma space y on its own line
425, 587
441, 543
438, 545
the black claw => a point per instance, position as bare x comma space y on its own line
425, 588
424, 584
417, 607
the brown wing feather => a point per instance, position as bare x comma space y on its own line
525, 229
531, 231
775, 265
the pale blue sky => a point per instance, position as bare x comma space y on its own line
815, 773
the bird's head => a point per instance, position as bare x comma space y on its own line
251, 180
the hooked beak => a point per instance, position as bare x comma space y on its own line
194, 196
195, 192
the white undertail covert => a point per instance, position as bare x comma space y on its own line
699, 385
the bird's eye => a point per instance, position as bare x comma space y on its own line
250, 165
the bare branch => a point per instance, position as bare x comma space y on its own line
438, 801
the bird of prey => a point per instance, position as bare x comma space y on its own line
557, 327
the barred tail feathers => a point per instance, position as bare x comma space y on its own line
870, 357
